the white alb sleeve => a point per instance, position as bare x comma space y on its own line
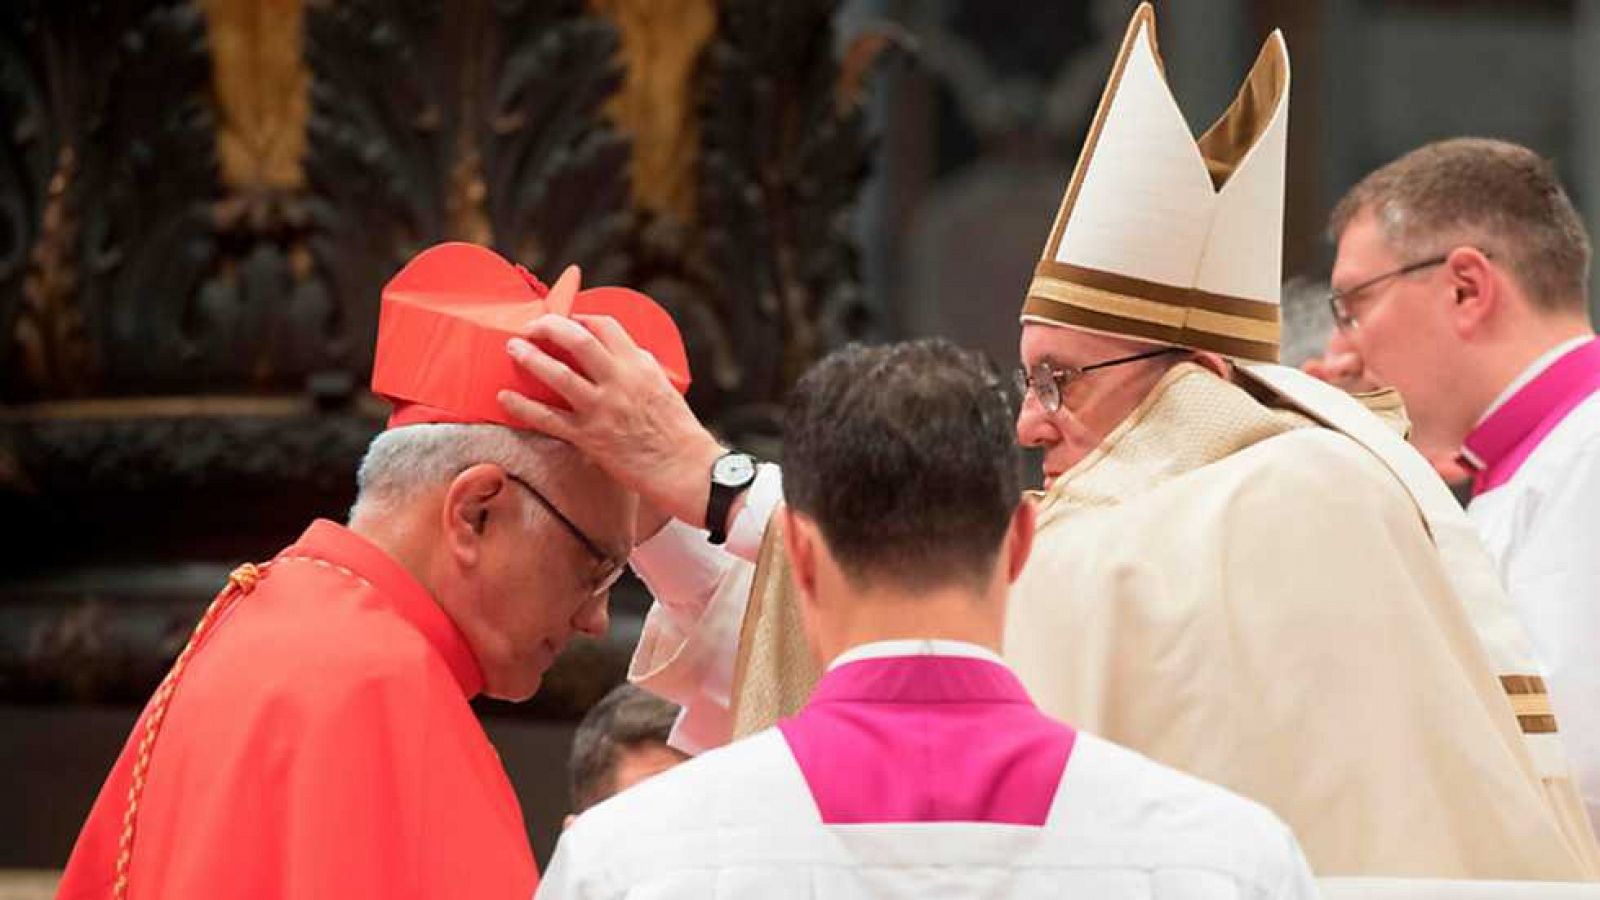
691, 634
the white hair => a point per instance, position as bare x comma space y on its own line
403, 461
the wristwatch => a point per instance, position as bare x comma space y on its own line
730, 475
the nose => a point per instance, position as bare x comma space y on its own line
1034, 428
594, 617
1340, 342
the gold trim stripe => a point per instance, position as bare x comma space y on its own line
1153, 312
1060, 313
1530, 703
1233, 326
1193, 298
1538, 724
1522, 684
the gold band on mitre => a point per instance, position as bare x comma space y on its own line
1109, 303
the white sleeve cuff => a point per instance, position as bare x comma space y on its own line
681, 570
760, 500
694, 667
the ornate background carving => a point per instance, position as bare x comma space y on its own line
199, 203
200, 200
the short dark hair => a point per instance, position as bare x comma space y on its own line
626, 718
1496, 193
905, 456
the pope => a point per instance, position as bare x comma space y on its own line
1239, 571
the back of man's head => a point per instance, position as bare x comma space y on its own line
628, 725
1494, 194
905, 457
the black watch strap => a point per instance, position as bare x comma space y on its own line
731, 474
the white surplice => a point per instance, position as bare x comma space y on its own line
1543, 528
742, 821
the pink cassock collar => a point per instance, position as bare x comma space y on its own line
927, 731
1502, 442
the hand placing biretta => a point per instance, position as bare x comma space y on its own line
616, 404
448, 315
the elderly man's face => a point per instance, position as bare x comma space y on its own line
547, 572
1092, 405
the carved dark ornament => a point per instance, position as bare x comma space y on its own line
781, 160
481, 124
109, 635
108, 99
27, 157
555, 169
41, 332
148, 178
379, 147
189, 291
69, 457
52, 350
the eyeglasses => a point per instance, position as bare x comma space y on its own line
1048, 383
613, 567
1339, 301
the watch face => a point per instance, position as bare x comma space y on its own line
735, 469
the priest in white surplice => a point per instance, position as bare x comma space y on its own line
1462, 280
920, 767
1240, 572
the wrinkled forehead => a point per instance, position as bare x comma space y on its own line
595, 501
1066, 345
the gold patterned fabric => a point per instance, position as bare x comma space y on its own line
775, 672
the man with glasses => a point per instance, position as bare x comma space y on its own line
1233, 572
1461, 280
314, 739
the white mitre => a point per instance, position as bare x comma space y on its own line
1164, 238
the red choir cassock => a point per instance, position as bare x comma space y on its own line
314, 739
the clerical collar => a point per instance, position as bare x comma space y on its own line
914, 647
1534, 370
344, 549
1533, 405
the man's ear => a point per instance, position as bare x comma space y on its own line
1019, 538
800, 540
1478, 286
469, 501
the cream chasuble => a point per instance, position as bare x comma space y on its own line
1296, 612
1244, 596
